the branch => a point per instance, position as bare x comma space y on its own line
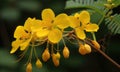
105, 55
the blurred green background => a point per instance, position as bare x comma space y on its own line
15, 12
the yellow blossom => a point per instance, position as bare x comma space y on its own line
23, 35
80, 22
52, 26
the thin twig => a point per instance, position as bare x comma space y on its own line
105, 55
110, 59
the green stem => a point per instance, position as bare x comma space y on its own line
35, 53
58, 47
31, 52
63, 42
52, 50
94, 37
101, 20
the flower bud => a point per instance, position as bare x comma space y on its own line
29, 67
87, 48
55, 60
82, 49
38, 63
96, 44
66, 52
46, 55
57, 55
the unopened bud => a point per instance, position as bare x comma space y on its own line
96, 44
82, 49
38, 64
87, 48
55, 60
66, 52
46, 55
29, 67
57, 55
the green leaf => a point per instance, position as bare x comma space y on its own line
113, 24
98, 6
116, 2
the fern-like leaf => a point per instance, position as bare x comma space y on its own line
113, 24
98, 6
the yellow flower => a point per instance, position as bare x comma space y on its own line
81, 22
52, 26
23, 36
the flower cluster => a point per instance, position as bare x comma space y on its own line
51, 30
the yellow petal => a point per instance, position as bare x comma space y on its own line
76, 15
80, 33
62, 21
42, 33
37, 24
84, 17
48, 14
55, 36
25, 44
15, 46
28, 23
19, 32
74, 22
91, 28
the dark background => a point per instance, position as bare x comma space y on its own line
15, 12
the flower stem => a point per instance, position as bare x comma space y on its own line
63, 42
93, 34
35, 53
101, 20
